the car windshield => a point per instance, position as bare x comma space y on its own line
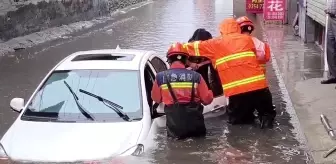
64, 97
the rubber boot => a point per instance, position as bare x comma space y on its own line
266, 122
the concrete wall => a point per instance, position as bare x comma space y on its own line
22, 17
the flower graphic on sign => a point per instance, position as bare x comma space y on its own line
275, 5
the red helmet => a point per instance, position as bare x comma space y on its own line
177, 49
244, 21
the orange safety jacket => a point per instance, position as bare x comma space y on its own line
234, 55
263, 52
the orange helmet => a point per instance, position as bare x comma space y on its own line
177, 49
244, 21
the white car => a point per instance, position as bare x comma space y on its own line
93, 105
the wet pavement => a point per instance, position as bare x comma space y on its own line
301, 67
153, 27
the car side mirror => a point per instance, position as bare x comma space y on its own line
156, 111
17, 104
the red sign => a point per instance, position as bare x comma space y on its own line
274, 9
254, 6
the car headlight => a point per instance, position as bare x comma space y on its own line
135, 150
3, 154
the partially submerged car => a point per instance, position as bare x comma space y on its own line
92, 105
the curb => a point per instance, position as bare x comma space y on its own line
298, 130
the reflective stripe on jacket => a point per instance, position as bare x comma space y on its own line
181, 82
263, 52
234, 55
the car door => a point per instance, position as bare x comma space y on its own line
210, 75
158, 65
214, 84
149, 77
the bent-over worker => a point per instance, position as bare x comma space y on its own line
183, 92
243, 80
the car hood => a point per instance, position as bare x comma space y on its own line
65, 142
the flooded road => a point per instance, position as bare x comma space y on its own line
154, 27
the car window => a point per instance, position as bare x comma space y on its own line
118, 86
158, 64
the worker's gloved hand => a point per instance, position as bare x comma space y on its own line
194, 66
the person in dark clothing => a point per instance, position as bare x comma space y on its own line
200, 34
183, 92
208, 69
331, 42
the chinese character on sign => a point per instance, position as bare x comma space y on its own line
274, 10
275, 5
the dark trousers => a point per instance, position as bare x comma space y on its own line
185, 120
331, 47
242, 106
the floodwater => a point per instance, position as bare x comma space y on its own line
154, 27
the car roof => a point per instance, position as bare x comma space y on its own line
131, 59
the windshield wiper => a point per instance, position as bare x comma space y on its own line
109, 104
80, 106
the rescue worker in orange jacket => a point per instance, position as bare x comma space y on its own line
183, 92
243, 80
263, 49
